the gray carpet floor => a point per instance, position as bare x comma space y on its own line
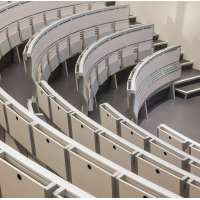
184, 117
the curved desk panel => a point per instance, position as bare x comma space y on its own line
151, 75
110, 55
70, 36
90, 134
20, 20
21, 177
178, 140
127, 129
69, 159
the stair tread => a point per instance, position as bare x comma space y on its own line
190, 87
189, 73
184, 61
159, 41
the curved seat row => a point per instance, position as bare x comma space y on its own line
71, 160
108, 56
31, 17
90, 134
21, 177
152, 74
178, 140
127, 129
69, 36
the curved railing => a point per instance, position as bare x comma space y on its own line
70, 36
110, 55
20, 20
152, 74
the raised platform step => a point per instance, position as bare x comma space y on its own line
159, 44
132, 20
155, 37
189, 73
181, 56
186, 64
188, 87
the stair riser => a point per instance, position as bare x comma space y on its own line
159, 47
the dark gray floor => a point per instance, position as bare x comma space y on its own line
184, 117
17, 83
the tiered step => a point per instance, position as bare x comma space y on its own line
186, 64
159, 44
155, 36
188, 87
133, 20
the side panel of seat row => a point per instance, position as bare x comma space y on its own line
104, 30
91, 175
15, 183
195, 151
76, 43
19, 126
115, 151
172, 139
4, 43
25, 28
167, 154
84, 132
89, 36
51, 16
109, 119
160, 174
61, 116
50, 151
128, 188
81, 8
53, 58
13, 35
38, 22
113, 122
114, 63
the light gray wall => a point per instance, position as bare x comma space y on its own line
176, 22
